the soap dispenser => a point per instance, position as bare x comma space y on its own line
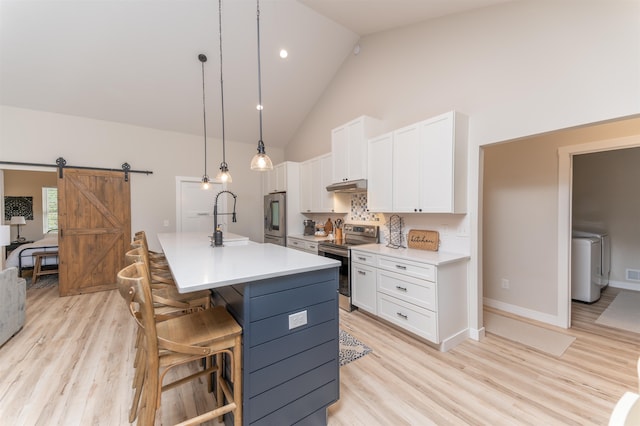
217, 237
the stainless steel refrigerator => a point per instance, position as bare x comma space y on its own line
275, 218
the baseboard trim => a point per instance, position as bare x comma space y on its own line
624, 285
524, 312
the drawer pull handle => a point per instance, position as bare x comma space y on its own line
401, 288
362, 258
401, 315
362, 272
401, 267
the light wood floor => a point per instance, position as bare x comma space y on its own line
71, 365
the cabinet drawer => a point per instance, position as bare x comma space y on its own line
295, 243
311, 247
412, 290
412, 318
414, 269
363, 258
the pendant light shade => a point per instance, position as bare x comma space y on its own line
260, 161
223, 175
205, 178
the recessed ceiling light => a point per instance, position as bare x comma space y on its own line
283, 53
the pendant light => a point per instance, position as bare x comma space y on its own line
205, 177
223, 175
260, 161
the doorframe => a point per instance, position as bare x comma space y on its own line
565, 192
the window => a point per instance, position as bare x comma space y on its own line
49, 209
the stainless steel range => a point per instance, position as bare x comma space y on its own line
352, 235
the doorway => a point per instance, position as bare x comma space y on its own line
194, 205
565, 210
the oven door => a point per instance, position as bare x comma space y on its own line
344, 282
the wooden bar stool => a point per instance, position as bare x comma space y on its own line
192, 337
37, 264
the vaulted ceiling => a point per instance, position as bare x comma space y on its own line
136, 61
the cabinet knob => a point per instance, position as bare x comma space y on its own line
362, 258
401, 315
401, 267
401, 288
362, 272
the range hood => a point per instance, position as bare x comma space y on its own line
359, 185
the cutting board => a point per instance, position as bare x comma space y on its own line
423, 239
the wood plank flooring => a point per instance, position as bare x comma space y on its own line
72, 365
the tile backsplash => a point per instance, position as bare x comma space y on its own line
359, 211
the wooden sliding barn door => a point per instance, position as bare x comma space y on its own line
94, 221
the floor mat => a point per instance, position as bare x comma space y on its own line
623, 312
540, 338
351, 348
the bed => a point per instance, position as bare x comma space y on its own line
22, 257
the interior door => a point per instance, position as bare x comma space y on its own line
94, 220
195, 205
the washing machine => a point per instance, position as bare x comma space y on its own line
585, 265
604, 268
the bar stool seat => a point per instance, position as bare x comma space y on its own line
37, 264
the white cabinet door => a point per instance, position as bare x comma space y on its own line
349, 148
437, 185
444, 164
363, 287
340, 153
380, 167
407, 158
356, 150
275, 180
326, 178
306, 187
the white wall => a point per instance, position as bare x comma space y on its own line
517, 69
40, 137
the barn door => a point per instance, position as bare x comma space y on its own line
94, 221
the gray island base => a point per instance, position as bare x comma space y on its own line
290, 346
287, 304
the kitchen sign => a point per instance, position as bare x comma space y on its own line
423, 239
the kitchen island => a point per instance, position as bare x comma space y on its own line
287, 304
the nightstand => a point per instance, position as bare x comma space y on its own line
14, 245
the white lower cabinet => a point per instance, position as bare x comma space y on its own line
363, 287
428, 300
302, 244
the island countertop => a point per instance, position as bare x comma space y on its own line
196, 265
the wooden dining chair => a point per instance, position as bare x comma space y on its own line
184, 339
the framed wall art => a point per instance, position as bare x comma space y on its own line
18, 206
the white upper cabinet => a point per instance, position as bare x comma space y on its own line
424, 171
315, 176
305, 186
349, 148
275, 180
379, 182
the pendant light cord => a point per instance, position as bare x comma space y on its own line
221, 84
259, 70
203, 59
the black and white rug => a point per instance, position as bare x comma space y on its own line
351, 348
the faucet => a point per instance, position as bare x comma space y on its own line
218, 242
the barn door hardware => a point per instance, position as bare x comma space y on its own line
61, 164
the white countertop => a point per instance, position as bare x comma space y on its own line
196, 265
432, 257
